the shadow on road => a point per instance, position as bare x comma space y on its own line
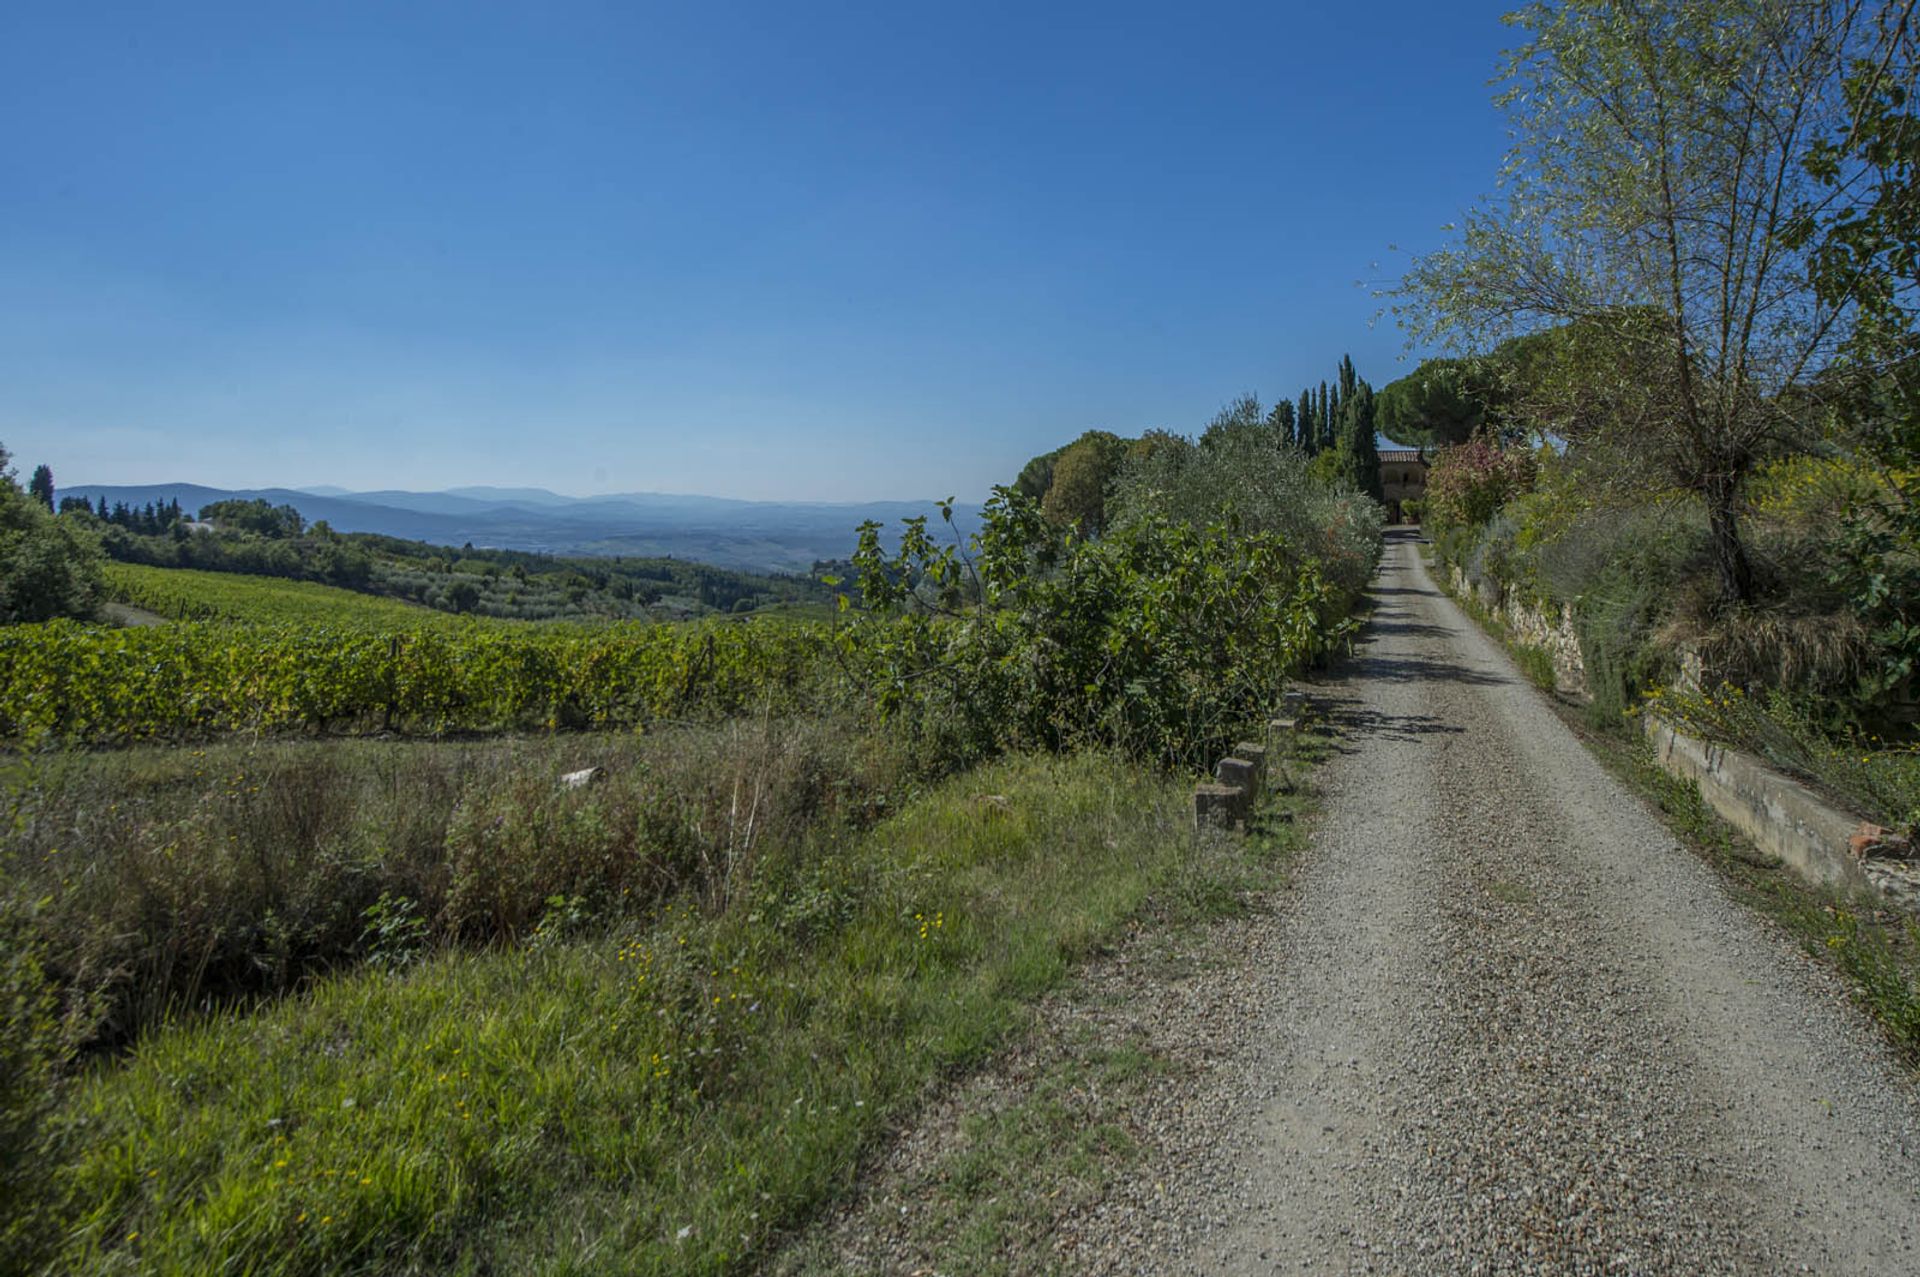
1421, 628
1352, 718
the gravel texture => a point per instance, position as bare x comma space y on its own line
1502, 1024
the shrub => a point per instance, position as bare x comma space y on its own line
1240, 475
1158, 640
49, 564
1470, 481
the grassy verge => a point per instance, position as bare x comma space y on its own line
660, 1095
1043, 1131
1876, 950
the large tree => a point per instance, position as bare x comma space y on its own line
49, 566
1658, 172
1362, 453
40, 487
1442, 402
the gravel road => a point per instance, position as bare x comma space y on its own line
1507, 1025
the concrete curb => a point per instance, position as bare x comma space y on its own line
1780, 816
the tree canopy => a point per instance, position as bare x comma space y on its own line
1665, 162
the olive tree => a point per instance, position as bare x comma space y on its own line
1658, 173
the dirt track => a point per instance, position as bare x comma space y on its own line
1508, 1025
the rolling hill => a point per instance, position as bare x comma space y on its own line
764, 536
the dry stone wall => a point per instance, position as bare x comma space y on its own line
1549, 629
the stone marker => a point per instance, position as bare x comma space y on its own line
582, 778
1219, 806
1257, 755
1237, 772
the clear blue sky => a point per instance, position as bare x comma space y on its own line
814, 251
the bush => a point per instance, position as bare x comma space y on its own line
49, 564
1471, 481
1158, 640
1241, 476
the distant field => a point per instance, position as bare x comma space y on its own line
184, 594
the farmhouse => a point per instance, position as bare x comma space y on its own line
1403, 478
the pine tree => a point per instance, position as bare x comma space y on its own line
41, 486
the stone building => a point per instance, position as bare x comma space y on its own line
1403, 477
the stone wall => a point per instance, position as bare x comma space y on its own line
1528, 623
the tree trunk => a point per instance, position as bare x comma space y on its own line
1729, 552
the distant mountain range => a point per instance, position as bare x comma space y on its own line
763, 536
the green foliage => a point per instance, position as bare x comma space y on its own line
40, 487
502, 584
190, 680
1658, 172
670, 1093
252, 867
1159, 639
1468, 484
1865, 234
1077, 492
49, 564
183, 594
34, 1052
1359, 451
258, 516
1440, 403
1243, 474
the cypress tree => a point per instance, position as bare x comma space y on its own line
1362, 454
1305, 429
1280, 421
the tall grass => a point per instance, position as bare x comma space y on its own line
165, 880
664, 1092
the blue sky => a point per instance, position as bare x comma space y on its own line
826, 251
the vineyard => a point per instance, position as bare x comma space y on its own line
67, 682
186, 594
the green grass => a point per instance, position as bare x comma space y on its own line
186, 594
661, 1095
170, 878
1055, 1131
